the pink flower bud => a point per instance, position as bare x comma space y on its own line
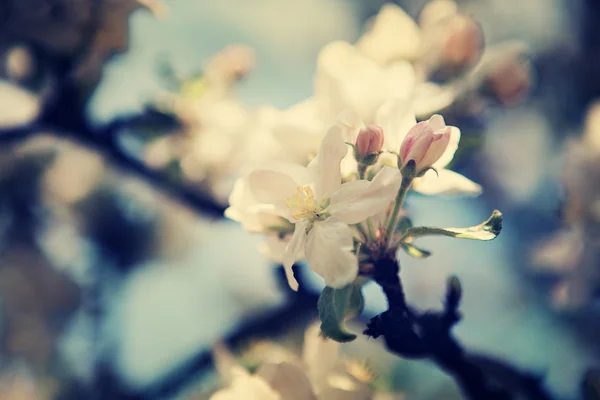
369, 141
510, 80
464, 43
425, 143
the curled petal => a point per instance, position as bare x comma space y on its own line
436, 122
448, 183
356, 201
329, 252
292, 250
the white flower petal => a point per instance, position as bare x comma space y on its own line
319, 355
244, 208
292, 250
273, 248
394, 36
299, 130
351, 123
247, 387
355, 201
448, 183
430, 98
329, 252
326, 166
272, 186
288, 380
17, 106
346, 79
396, 117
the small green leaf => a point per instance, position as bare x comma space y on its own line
487, 230
335, 305
414, 251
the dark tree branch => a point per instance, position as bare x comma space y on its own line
427, 335
105, 142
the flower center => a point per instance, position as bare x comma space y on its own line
302, 204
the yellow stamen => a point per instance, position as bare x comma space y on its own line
302, 203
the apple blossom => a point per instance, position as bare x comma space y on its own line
321, 208
425, 143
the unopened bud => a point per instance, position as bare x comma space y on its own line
425, 143
509, 80
463, 45
369, 144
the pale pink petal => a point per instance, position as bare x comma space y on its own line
329, 252
448, 183
419, 148
437, 148
409, 140
448, 155
356, 201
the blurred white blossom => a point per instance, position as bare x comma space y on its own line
318, 374
572, 253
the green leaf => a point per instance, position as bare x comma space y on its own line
414, 251
487, 230
335, 305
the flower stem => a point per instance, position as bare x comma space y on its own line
361, 230
371, 227
362, 170
393, 221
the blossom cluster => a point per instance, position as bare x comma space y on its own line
321, 372
334, 169
332, 214
398, 69
571, 254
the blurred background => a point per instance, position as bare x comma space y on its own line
118, 271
